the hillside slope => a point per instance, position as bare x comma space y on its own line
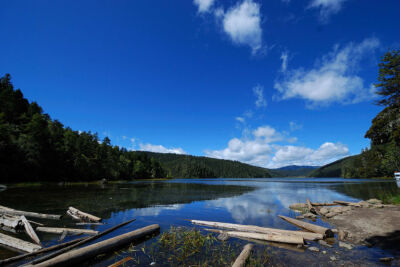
334, 169
186, 166
293, 171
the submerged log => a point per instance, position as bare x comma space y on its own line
83, 215
121, 262
244, 255
5, 210
40, 251
13, 242
308, 226
55, 230
292, 247
29, 230
81, 242
258, 229
78, 255
281, 238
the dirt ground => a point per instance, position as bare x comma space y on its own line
378, 227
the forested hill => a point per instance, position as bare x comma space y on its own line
33, 147
185, 166
382, 159
293, 171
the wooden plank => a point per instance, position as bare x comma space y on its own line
55, 230
84, 215
257, 229
77, 256
243, 256
13, 242
308, 226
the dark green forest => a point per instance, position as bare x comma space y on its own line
34, 147
186, 166
382, 159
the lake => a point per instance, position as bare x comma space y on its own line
173, 202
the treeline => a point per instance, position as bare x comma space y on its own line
33, 147
185, 166
382, 159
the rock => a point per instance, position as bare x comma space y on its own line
335, 231
323, 243
333, 258
330, 214
357, 205
342, 235
374, 201
324, 211
364, 204
309, 215
345, 245
313, 249
299, 207
324, 252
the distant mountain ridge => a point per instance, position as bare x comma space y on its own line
297, 167
293, 171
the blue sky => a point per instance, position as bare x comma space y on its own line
269, 83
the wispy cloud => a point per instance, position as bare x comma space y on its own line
326, 7
294, 126
259, 93
203, 5
334, 79
160, 149
284, 58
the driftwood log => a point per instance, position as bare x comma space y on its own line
80, 243
257, 229
11, 221
121, 262
29, 230
323, 204
5, 210
308, 226
83, 215
244, 255
76, 256
40, 251
344, 203
281, 238
55, 230
13, 242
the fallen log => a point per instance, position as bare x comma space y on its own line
292, 247
323, 204
308, 226
83, 215
33, 222
281, 238
82, 242
73, 216
88, 223
78, 255
10, 221
5, 210
345, 203
40, 251
29, 230
13, 242
55, 230
244, 255
310, 207
121, 262
258, 229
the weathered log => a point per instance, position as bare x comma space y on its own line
10, 221
243, 256
78, 255
281, 238
323, 204
13, 242
82, 242
55, 230
84, 215
310, 207
258, 229
308, 226
40, 251
345, 203
33, 222
121, 262
292, 247
5, 210
88, 223
63, 235
73, 216
29, 230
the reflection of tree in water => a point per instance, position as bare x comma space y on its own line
113, 197
367, 190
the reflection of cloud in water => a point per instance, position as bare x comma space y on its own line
156, 210
266, 203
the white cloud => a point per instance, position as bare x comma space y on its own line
284, 58
203, 5
240, 119
326, 7
259, 93
242, 23
261, 148
333, 79
160, 149
294, 126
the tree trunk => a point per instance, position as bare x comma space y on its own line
308, 226
258, 229
76, 256
244, 255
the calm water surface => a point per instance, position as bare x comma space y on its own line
171, 203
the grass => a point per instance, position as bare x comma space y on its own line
390, 198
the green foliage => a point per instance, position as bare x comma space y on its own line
389, 79
185, 166
33, 147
